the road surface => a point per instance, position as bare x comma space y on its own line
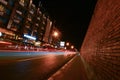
39, 67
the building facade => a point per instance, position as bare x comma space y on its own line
22, 21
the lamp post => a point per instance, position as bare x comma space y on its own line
56, 38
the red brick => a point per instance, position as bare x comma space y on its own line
101, 46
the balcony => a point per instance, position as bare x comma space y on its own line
4, 2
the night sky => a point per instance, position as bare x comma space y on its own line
71, 17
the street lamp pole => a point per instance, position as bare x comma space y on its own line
55, 38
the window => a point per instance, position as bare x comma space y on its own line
22, 2
7, 11
11, 2
2, 9
42, 28
3, 20
14, 27
4, 1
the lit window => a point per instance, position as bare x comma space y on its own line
22, 1
42, 28
14, 27
38, 18
41, 33
2, 9
4, 1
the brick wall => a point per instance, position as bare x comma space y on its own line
101, 46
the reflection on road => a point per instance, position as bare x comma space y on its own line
35, 68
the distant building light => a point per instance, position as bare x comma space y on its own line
36, 24
27, 26
19, 12
30, 37
37, 43
21, 3
31, 12
38, 18
33, 5
29, 19
17, 21
1, 13
40, 12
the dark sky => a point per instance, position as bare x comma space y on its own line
72, 17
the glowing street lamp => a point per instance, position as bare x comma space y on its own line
55, 34
72, 47
67, 44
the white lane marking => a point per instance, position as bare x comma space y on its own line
31, 58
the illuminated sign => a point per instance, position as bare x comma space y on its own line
0, 34
30, 37
62, 43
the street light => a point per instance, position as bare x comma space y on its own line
56, 38
55, 34
72, 47
67, 44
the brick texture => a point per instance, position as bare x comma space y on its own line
101, 46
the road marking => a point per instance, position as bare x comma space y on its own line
31, 58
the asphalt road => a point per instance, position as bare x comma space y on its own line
33, 68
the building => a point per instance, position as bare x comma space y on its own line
6, 9
22, 21
48, 31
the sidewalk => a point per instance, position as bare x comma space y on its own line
89, 71
73, 70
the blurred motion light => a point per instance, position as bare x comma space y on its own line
4, 42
